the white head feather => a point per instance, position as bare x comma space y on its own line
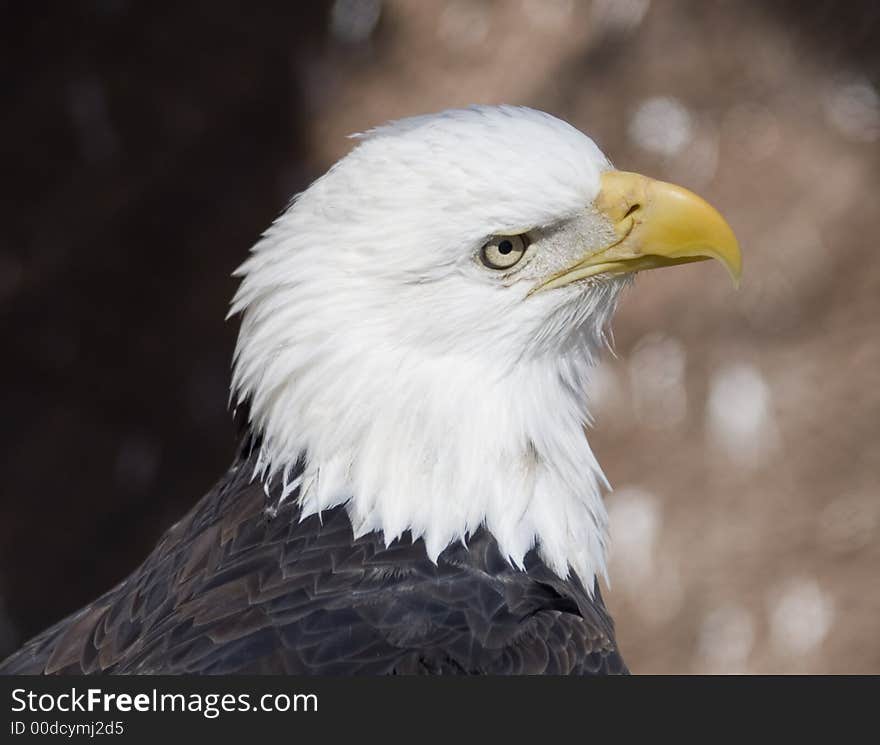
426, 391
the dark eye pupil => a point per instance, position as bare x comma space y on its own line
505, 247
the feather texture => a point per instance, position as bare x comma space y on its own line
233, 589
418, 420
428, 393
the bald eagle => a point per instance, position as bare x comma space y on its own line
414, 492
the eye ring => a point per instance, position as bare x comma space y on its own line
504, 251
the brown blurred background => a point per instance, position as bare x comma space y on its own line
144, 146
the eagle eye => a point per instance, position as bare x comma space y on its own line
504, 251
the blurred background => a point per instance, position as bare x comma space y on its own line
144, 147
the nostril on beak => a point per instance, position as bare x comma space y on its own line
632, 209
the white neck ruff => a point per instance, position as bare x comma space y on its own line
436, 445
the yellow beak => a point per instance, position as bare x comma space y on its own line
657, 225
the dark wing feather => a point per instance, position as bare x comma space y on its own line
230, 589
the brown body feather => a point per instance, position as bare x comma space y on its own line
236, 587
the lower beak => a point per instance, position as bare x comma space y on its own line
657, 225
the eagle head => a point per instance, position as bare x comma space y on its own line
418, 328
